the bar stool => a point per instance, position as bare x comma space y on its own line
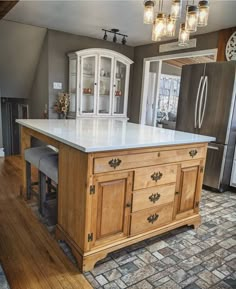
32, 157
48, 168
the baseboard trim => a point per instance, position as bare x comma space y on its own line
2, 154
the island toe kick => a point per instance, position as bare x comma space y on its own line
109, 200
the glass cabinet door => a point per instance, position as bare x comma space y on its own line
88, 84
119, 93
105, 85
73, 87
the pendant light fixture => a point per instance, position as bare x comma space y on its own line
183, 35
176, 9
191, 18
170, 26
203, 7
159, 27
148, 15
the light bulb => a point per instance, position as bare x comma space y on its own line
176, 9
203, 7
148, 16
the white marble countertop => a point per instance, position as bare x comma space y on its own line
94, 135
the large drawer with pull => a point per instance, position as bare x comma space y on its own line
153, 176
154, 196
150, 219
129, 161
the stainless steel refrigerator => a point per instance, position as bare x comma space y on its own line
207, 106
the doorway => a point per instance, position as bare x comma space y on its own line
161, 85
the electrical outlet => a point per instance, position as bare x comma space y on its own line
57, 85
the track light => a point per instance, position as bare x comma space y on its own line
105, 36
115, 32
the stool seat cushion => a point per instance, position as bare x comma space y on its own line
33, 155
48, 165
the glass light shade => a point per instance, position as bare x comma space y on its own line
176, 9
148, 16
203, 7
159, 27
170, 26
183, 35
191, 18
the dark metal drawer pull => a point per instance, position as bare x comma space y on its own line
153, 218
156, 176
154, 197
192, 153
114, 163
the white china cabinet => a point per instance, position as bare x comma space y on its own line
98, 83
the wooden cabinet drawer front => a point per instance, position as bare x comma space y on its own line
123, 162
151, 197
150, 219
153, 176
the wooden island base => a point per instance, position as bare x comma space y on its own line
87, 261
111, 199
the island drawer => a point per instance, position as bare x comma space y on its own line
149, 219
151, 197
122, 162
153, 176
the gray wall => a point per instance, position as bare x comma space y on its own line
1, 143
59, 45
39, 92
204, 41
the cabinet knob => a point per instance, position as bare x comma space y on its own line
128, 205
95, 83
156, 176
193, 153
153, 218
114, 163
154, 197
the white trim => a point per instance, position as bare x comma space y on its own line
146, 66
2, 154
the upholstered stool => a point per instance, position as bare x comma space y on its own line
48, 168
32, 157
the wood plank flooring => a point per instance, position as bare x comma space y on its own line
31, 258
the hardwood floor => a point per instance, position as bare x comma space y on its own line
31, 258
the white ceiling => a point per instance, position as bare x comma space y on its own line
89, 17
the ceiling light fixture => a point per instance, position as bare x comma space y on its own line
203, 7
163, 26
115, 32
148, 15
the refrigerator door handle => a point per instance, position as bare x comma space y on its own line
204, 89
197, 99
212, 148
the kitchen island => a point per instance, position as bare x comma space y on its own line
119, 182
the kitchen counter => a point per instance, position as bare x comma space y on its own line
94, 135
119, 183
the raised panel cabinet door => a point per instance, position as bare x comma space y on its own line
111, 207
189, 187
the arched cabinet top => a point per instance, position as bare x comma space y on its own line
101, 51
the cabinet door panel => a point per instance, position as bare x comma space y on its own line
188, 188
111, 203
111, 207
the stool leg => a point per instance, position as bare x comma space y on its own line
42, 192
28, 180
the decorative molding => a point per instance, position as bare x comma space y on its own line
172, 46
2, 154
230, 49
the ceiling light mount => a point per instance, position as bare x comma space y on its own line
115, 32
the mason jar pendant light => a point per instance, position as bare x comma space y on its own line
203, 7
148, 15
170, 26
183, 35
159, 27
191, 18
176, 9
